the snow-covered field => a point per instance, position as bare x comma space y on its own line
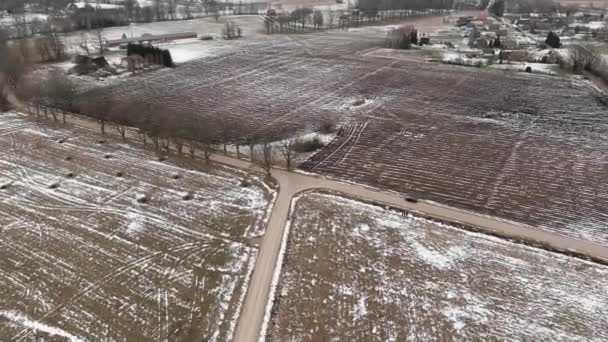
357, 272
250, 24
537, 68
82, 259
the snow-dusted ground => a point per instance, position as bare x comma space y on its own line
357, 272
537, 68
82, 259
250, 25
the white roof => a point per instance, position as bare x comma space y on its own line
83, 4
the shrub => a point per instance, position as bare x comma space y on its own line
553, 40
304, 146
327, 127
358, 102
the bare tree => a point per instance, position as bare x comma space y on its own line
99, 40
251, 142
60, 93
43, 48
187, 10
172, 8
23, 46
12, 69
288, 151
130, 8
267, 160
84, 43
97, 105
125, 114
317, 19
50, 47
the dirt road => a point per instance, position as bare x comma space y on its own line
252, 315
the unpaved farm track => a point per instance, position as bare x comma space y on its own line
291, 184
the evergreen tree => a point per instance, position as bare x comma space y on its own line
497, 42
414, 37
553, 40
158, 56
498, 8
405, 43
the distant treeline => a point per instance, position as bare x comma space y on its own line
151, 54
371, 7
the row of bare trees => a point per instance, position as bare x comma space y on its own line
167, 129
53, 96
305, 19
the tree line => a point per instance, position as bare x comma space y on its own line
159, 125
372, 7
306, 19
151, 54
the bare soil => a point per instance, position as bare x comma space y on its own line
86, 259
355, 271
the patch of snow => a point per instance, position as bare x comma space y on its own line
23, 320
136, 223
360, 310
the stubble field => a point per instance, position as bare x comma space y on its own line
82, 258
525, 148
355, 271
